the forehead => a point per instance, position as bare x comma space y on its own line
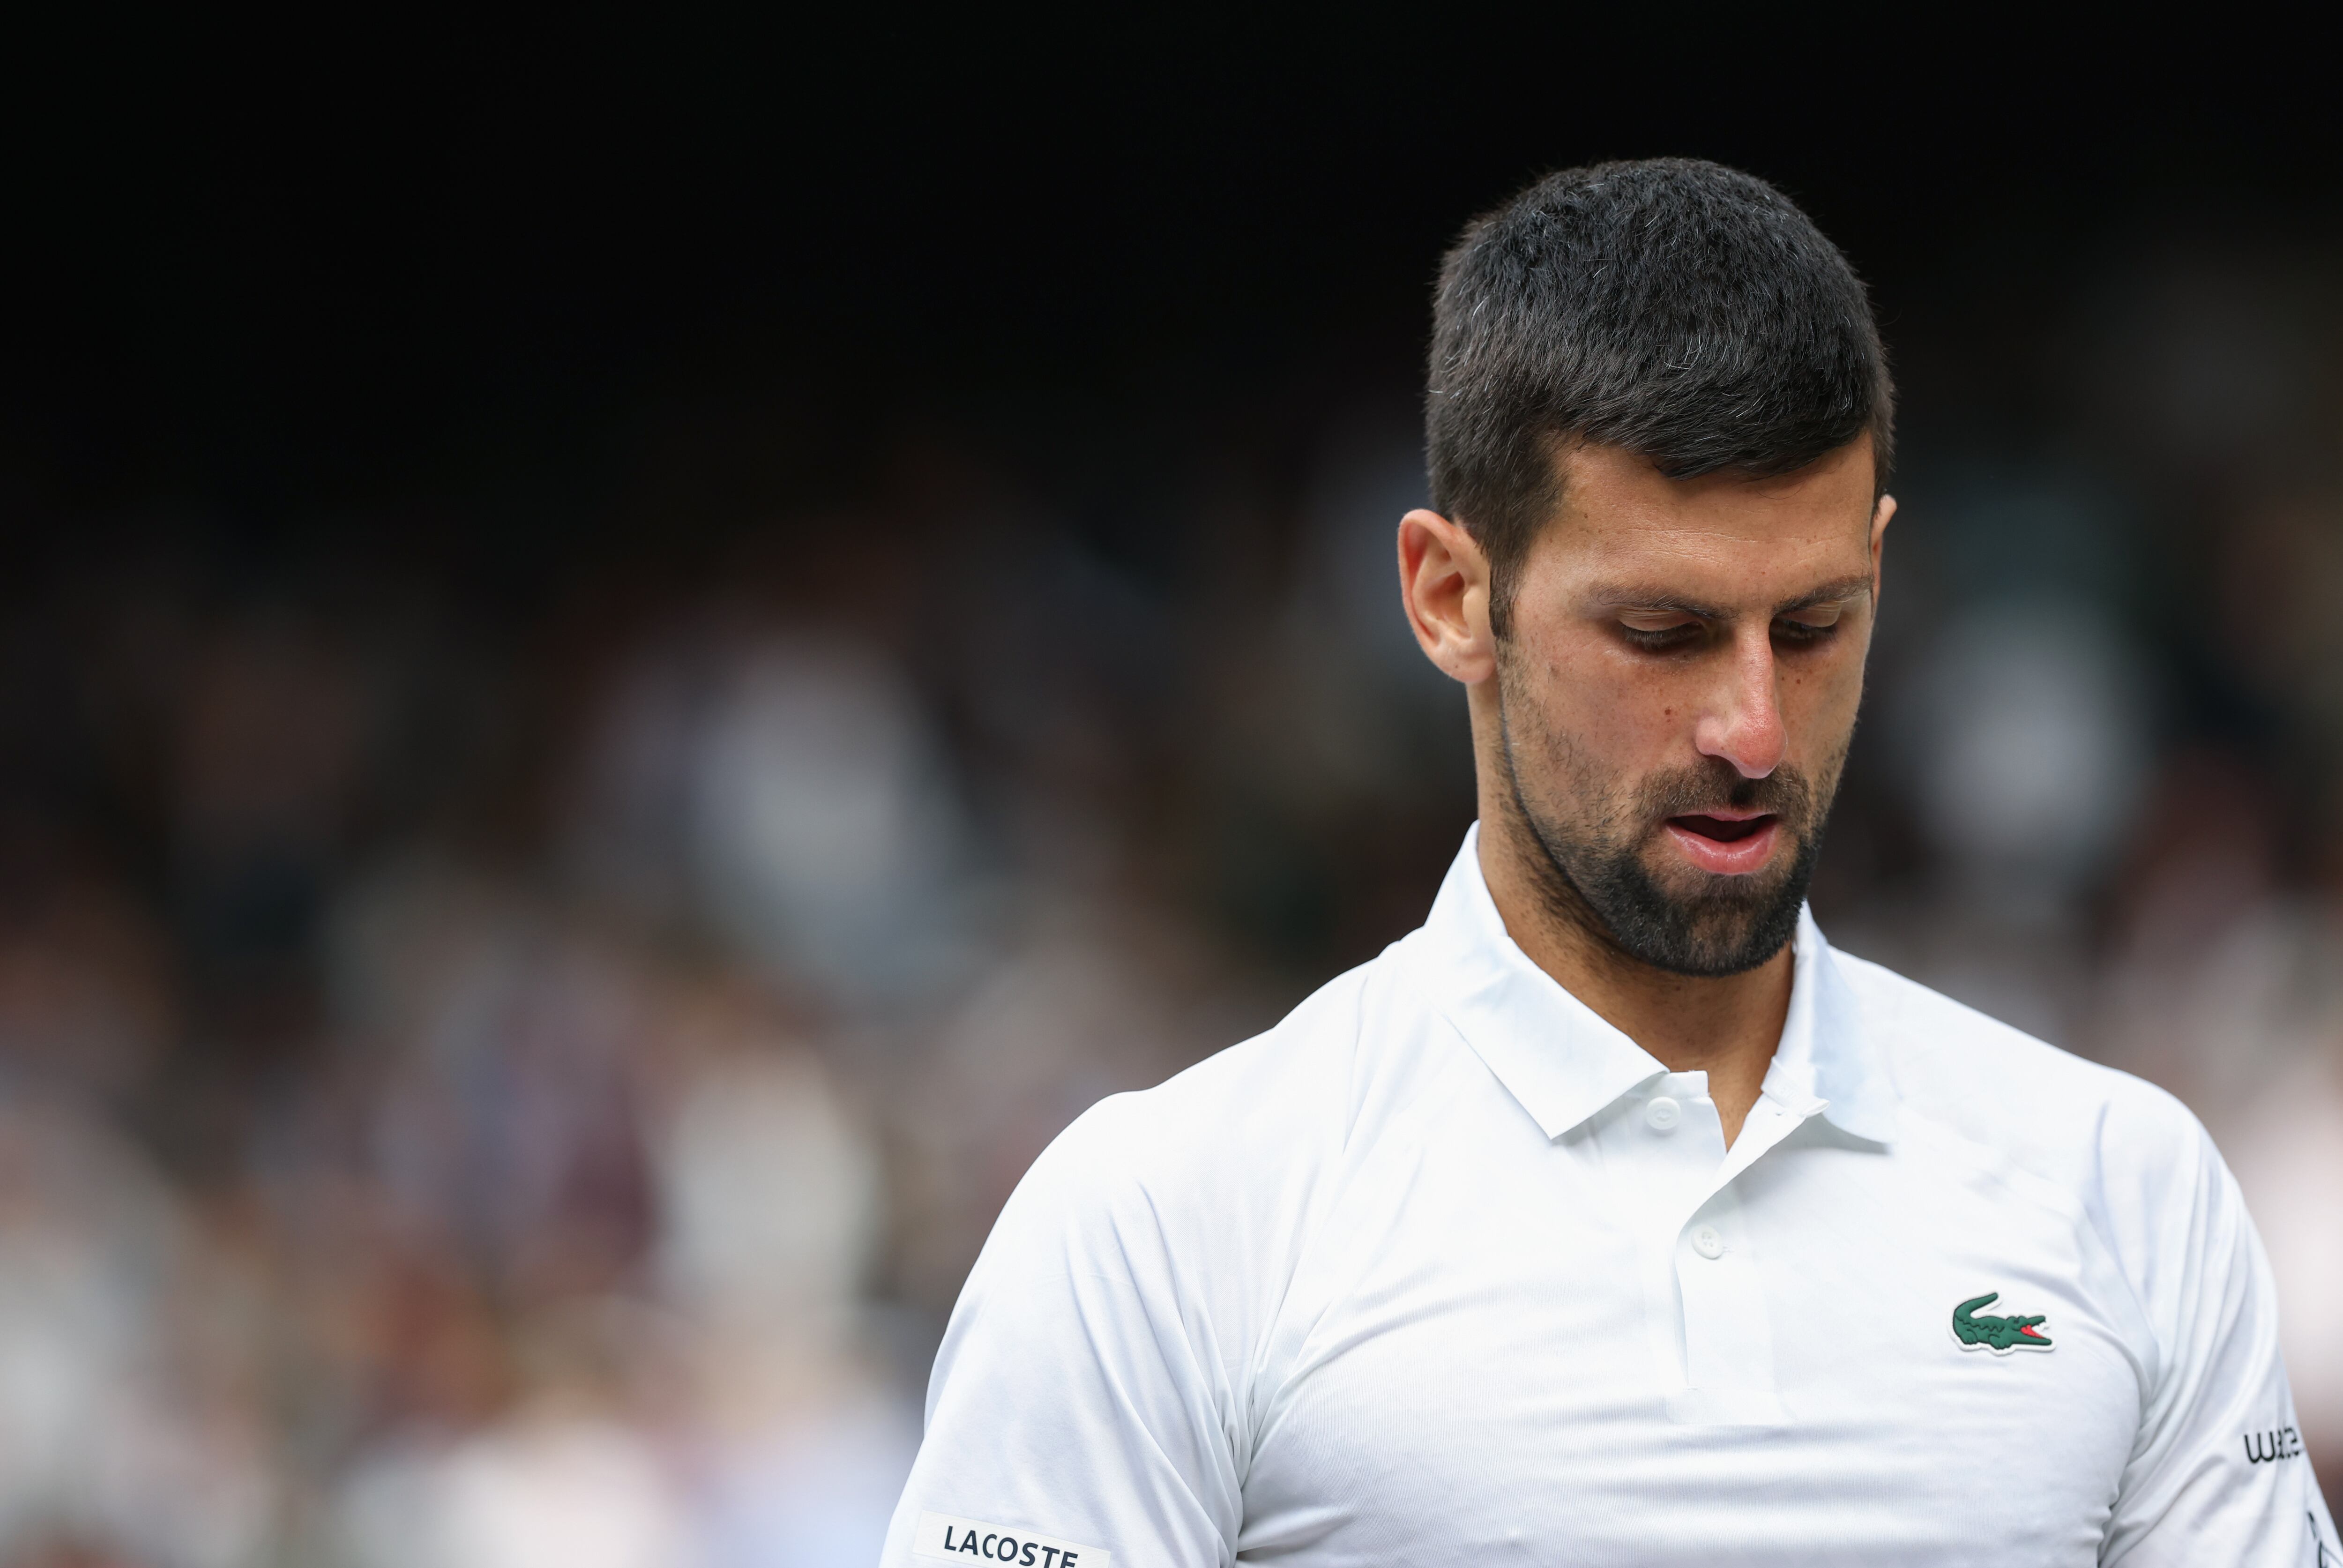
1728, 535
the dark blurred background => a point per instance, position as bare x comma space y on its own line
637, 654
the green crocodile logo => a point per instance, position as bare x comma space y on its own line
1999, 1335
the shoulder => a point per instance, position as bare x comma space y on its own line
2113, 1142
1229, 1149
1953, 1063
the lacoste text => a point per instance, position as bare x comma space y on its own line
1009, 1549
942, 1536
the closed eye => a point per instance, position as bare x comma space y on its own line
1669, 636
1801, 633
1809, 624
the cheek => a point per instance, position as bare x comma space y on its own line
1819, 700
1623, 707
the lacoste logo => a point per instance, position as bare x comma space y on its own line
1999, 1335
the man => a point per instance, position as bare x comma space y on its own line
1613, 1217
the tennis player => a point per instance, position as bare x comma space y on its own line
1613, 1217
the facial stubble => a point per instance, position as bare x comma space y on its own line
1589, 869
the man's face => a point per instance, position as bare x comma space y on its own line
1678, 687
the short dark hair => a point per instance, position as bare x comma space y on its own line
1684, 310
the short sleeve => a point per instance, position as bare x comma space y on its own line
1078, 1403
2220, 1472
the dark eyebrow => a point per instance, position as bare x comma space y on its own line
1828, 593
1659, 598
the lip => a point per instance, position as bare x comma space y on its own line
1738, 858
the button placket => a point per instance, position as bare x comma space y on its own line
1724, 1355
1728, 1335
1660, 1161
1707, 1317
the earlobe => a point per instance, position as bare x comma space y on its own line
1443, 582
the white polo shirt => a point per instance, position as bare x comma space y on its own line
1444, 1268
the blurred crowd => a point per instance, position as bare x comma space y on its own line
509, 1064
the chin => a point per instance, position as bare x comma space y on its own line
1703, 924
1748, 891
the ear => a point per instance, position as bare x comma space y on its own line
1881, 516
1443, 581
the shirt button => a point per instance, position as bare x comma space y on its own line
1663, 1115
1707, 1243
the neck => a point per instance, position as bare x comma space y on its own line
1727, 1026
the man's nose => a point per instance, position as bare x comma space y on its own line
1743, 720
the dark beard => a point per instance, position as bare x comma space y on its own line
1593, 876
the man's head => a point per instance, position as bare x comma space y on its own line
1659, 418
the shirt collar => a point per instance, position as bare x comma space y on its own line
1827, 1053
1564, 1063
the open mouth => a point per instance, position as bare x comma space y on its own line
1724, 829
1726, 846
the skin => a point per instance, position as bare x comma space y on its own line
1658, 626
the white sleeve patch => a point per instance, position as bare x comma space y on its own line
972, 1540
